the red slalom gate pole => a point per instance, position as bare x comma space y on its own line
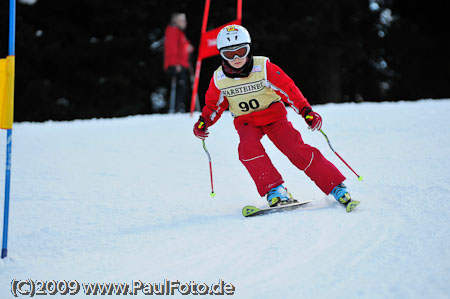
198, 65
239, 10
207, 47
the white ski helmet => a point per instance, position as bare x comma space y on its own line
232, 35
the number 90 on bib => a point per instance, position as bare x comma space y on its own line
246, 106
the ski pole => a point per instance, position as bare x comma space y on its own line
173, 92
360, 178
210, 169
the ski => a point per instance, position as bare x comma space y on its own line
249, 211
351, 205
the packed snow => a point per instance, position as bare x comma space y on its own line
126, 200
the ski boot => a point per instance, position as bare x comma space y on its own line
341, 194
278, 196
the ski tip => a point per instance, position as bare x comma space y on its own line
212, 194
249, 210
352, 205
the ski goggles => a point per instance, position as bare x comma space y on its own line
230, 53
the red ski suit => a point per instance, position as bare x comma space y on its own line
273, 123
176, 48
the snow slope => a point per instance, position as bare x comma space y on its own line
121, 200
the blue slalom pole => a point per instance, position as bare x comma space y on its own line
11, 52
7, 192
12, 28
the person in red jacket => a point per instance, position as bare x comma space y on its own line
176, 59
256, 90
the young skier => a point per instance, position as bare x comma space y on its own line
255, 90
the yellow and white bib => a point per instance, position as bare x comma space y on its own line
249, 94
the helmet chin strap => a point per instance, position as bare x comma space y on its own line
242, 72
